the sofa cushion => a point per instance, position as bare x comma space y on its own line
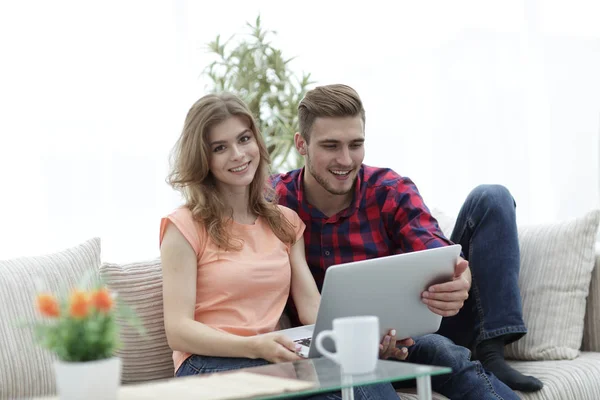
411, 394
556, 267
26, 367
556, 270
572, 379
591, 333
139, 286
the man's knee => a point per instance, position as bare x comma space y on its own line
492, 196
439, 350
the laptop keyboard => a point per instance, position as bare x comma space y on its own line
304, 342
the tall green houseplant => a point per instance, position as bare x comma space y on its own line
257, 71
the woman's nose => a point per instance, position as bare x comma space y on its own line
236, 153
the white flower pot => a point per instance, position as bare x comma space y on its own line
88, 380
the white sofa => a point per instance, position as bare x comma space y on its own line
26, 371
576, 379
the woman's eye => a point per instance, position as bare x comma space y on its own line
218, 149
244, 139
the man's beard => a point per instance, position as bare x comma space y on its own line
322, 181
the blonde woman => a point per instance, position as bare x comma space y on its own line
231, 256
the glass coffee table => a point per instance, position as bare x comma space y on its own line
327, 376
280, 381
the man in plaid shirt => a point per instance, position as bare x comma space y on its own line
354, 212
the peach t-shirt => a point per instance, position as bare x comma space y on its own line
241, 292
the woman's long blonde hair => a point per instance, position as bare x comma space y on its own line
190, 173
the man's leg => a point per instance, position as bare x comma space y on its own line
468, 380
492, 316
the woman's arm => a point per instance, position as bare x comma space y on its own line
179, 267
304, 289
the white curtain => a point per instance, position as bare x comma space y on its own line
93, 95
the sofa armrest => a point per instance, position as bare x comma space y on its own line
591, 332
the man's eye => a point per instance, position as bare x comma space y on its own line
329, 146
218, 149
356, 145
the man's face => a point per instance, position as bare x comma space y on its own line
335, 152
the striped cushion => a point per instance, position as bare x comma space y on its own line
139, 285
591, 334
573, 379
25, 368
563, 379
411, 394
556, 267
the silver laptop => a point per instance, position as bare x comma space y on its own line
388, 287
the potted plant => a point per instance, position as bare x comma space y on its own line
256, 70
81, 329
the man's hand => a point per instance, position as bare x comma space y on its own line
446, 299
389, 346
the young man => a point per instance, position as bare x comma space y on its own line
353, 211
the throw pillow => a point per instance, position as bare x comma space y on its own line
139, 286
26, 367
591, 333
556, 267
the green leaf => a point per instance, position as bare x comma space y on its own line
257, 71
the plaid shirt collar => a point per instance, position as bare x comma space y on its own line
315, 212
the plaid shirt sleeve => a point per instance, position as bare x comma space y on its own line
408, 221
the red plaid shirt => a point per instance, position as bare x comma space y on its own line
387, 216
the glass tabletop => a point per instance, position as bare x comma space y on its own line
327, 376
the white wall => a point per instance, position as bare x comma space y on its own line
457, 93
93, 95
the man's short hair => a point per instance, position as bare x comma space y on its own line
328, 101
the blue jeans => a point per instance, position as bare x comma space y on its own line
487, 231
195, 365
468, 380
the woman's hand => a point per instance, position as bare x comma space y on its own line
274, 347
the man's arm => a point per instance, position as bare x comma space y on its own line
411, 227
408, 222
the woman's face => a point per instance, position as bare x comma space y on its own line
234, 153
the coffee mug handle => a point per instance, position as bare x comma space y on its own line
319, 343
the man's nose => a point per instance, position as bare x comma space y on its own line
344, 157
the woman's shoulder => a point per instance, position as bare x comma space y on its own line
182, 212
288, 212
183, 219
184, 215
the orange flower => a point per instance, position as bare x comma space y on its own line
79, 304
102, 300
48, 305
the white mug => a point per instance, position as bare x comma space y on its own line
356, 342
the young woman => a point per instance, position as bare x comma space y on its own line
231, 256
